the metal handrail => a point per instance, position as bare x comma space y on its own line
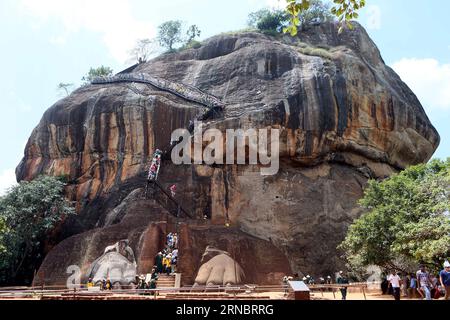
184, 91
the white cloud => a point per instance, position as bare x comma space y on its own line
277, 4
373, 17
7, 180
113, 19
429, 79
58, 40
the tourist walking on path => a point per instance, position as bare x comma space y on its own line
405, 284
395, 281
423, 278
412, 291
342, 279
444, 278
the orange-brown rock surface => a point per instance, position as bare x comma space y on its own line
344, 117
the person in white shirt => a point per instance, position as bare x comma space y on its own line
395, 281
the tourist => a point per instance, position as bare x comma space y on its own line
405, 284
175, 240
329, 280
395, 282
175, 253
154, 274
152, 284
435, 293
173, 190
444, 277
342, 279
90, 283
423, 278
159, 262
412, 291
286, 280
173, 263
167, 263
103, 287
384, 284
169, 240
108, 285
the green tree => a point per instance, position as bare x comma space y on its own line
344, 10
192, 33
407, 220
170, 34
318, 11
65, 87
3, 231
97, 72
28, 212
268, 20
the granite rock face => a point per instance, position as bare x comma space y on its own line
344, 117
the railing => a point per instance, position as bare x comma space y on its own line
184, 91
334, 287
179, 209
77, 293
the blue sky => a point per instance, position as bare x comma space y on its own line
45, 42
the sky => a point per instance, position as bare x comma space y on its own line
45, 42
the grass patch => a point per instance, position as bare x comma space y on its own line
313, 51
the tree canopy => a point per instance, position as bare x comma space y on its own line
170, 33
93, 73
65, 87
28, 212
343, 10
407, 220
192, 32
268, 20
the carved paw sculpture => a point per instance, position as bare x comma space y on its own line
220, 270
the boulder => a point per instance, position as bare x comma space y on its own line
344, 117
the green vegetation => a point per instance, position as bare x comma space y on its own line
273, 21
407, 221
318, 11
268, 20
192, 33
97, 72
28, 212
314, 51
343, 10
65, 87
169, 34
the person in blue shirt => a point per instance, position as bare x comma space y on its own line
412, 291
445, 279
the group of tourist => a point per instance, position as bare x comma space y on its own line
104, 285
166, 260
423, 284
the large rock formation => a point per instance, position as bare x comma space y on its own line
344, 117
